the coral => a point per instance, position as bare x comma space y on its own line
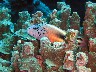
22, 33
72, 34
88, 24
23, 17
92, 44
61, 5
47, 41
28, 49
1, 48
74, 21
64, 14
76, 61
83, 69
52, 53
53, 14
83, 43
81, 61
55, 22
5, 26
63, 17
4, 62
53, 18
4, 13
38, 18
30, 5
69, 61
71, 38
23, 57
5, 66
6, 46
30, 64
5, 21
6, 39
92, 61
81, 57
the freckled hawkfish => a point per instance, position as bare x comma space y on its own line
53, 33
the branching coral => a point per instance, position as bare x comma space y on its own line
74, 21
5, 21
4, 13
64, 14
69, 61
23, 57
53, 18
81, 61
52, 52
92, 44
6, 43
23, 17
71, 38
51, 49
37, 17
22, 33
89, 25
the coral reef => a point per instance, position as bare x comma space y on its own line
69, 61
64, 14
23, 57
75, 21
81, 61
92, 44
38, 18
89, 23
52, 53
23, 17
47, 41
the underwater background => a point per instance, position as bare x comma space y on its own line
47, 35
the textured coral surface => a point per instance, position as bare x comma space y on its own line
48, 40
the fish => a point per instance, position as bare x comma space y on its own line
53, 33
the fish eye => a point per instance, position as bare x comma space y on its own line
51, 44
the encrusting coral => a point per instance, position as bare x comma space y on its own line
37, 43
81, 61
23, 17
53, 18
64, 14
69, 61
92, 44
74, 21
52, 53
37, 18
89, 23
23, 57
6, 39
5, 21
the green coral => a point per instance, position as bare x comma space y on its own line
7, 42
4, 68
4, 13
